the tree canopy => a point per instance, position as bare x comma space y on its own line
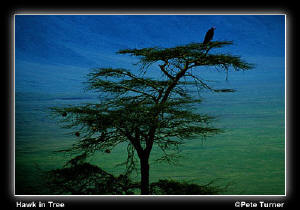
143, 111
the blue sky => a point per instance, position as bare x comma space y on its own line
54, 52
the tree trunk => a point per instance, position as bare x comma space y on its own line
144, 161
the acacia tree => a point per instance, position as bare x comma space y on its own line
143, 111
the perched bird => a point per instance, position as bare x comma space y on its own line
209, 35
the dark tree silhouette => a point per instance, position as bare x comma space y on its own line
143, 111
81, 178
209, 35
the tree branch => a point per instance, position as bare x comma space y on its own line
162, 68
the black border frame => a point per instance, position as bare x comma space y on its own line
92, 202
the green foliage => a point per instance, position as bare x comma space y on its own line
80, 178
171, 187
87, 179
195, 54
189, 51
141, 111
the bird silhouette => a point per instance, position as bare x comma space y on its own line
209, 35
